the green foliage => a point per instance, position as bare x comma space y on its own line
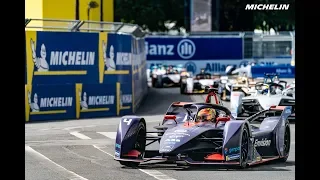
153, 14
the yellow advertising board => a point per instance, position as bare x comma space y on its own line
66, 9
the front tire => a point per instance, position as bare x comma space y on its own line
244, 147
287, 143
139, 145
182, 88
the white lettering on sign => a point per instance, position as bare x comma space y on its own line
101, 100
72, 58
56, 102
159, 49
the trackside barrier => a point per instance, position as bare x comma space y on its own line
284, 71
76, 74
210, 52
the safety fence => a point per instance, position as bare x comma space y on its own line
216, 50
77, 71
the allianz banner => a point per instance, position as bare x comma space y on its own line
76, 57
216, 66
139, 74
194, 48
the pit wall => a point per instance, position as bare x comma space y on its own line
75, 75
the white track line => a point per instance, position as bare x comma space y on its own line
156, 174
78, 127
102, 150
54, 166
79, 135
111, 135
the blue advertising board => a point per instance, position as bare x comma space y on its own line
139, 75
47, 102
62, 57
95, 100
217, 66
194, 48
284, 71
72, 75
115, 60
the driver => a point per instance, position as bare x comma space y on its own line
207, 114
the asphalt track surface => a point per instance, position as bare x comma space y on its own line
83, 150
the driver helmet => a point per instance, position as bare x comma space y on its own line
207, 114
265, 89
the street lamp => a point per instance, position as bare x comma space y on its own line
91, 5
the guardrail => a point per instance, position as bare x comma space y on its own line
83, 26
99, 72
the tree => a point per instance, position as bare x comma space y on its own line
150, 14
153, 14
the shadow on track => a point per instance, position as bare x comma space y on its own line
269, 166
158, 101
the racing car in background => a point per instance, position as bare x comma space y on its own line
198, 83
228, 83
288, 89
186, 138
265, 96
165, 76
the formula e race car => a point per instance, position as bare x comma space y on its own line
198, 84
167, 76
185, 139
227, 83
290, 90
265, 96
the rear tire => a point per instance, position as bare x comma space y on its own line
287, 143
154, 81
182, 88
139, 145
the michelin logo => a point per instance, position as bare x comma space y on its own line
125, 98
48, 102
121, 59
94, 100
60, 57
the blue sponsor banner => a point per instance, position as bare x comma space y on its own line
95, 100
49, 102
216, 66
284, 71
194, 48
116, 58
139, 75
62, 57
91, 74
125, 99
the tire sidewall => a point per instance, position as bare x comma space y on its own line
244, 162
